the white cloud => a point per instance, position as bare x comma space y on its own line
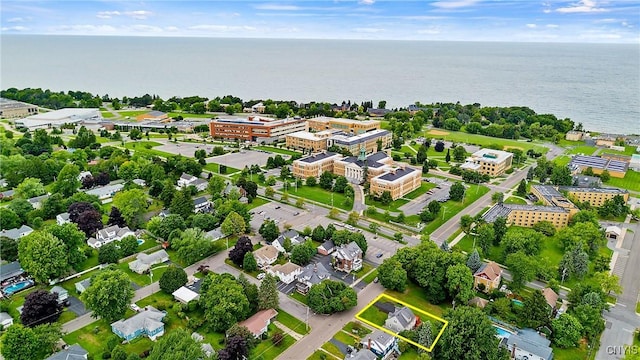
15, 28
18, 19
138, 14
532, 26
146, 28
277, 7
172, 28
454, 4
366, 2
582, 6
107, 14
552, 26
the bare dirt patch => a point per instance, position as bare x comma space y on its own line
507, 147
438, 133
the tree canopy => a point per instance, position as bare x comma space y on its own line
223, 301
328, 297
43, 256
109, 294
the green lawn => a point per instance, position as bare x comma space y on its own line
393, 206
267, 350
374, 315
357, 328
450, 208
319, 355
345, 338
292, 322
143, 147
514, 200
415, 295
571, 353
631, 181
562, 160
277, 150
583, 149
215, 168
107, 114
369, 278
190, 115
333, 350
628, 150
257, 202
93, 339
296, 295
318, 194
143, 279
424, 187
132, 113
481, 140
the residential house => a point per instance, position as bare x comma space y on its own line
37, 201
290, 234
109, 234
201, 205
347, 257
188, 292
164, 213
379, 342
139, 182
206, 347
326, 248
8, 194
73, 352
10, 272
266, 255
215, 234
5, 320
613, 232
527, 344
81, 286
105, 193
478, 302
258, 322
63, 218
143, 262
287, 273
402, 318
84, 174
311, 274
489, 275
187, 180
362, 354
551, 297
145, 323
63, 294
15, 234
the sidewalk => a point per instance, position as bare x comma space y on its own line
284, 328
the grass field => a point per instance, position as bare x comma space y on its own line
583, 149
321, 195
424, 187
107, 114
292, 322
415, 295
374, 315
450, 208
146, 147
190, 115
628, 150
562, 160
333, 350
631, 181
393, 206
277, 150
481, 140
514, 200
132, 113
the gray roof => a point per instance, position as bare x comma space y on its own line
396, 174
530, 341
317, 157
372, 161
596, 162
199, 201
64, 216
215, 233
357, 139
586, 181
293, 235
8, 193
349, 251
84, 283
503, 210
150, 318
73, 352
327, 245
155, 113
105, 190
314, 274
119, 231
16, 234
363, 354
5, 316
38, 199
594, 189
377, 337
404, 315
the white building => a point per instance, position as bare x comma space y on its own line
187, 180
58, 118
266, 255
109, 234
105, 193
144, 262
63, 218
287, 273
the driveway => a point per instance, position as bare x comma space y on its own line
76, 306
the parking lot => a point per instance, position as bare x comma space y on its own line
241, 159
440, 192
184, 149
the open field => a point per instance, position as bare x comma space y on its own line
277, 150
628, 150
481, 140
450, 208
190, 115
132, 113
583, 149
318, 194
215, 168
146, 147
631, 181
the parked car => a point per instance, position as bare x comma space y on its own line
135, 307
375, 280
261, 276
379, 255
277, 207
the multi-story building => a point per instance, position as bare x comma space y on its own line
529, 215
15, 109
574, 135
488, 161
616, 168
368, 141
595, 196
346, 125
256, 128
353, 168
398, 182
315, 165
550, 196
314, 141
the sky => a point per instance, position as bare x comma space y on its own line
598, 21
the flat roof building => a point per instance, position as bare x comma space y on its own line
489, 161
398, 182
58, 118
368, 141
256, 128
529, 215
314, 141
616, 168
10, 109
346, 125
594, 196
314, 165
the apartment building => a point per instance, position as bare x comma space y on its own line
616, 168
346, 125
315, 165
255, 128
595, 196
368, 141
550, 196
305, 140
488, 161
529, 215
398, 182
15, 109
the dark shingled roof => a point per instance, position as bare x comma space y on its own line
397, 174
373, 160
317, 157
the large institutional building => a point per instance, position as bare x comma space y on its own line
378, 169
345, 125
616, 167
556, 208
325, 139
15, 109
256, 128
488, 161
60, 117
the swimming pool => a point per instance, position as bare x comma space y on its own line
502, 333
140, 241
13, 288
517, 302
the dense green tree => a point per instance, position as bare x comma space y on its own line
249, 263
22, 208
172, 279
459, 153
466, 221
223, 301
8, 249
385, 198
522, 188
392, 275
205, 222
328, 297
43, 256
561, 176
302, 254
269, 230
340, 184
132, 204
567, 331
268, 293
243, 246
521, 239
192, 245
250, 291
182, 204
470, 335
456, 192
233, 224
24, 343
605, 176
67, 181
128, 245
109, 294
536, 311
545, 227
608, 282
485, 236
176, 345
460, 283
523, 269
326, 180
473, 261
30, 187
74, 239
499, 229
109, 254
318, 234
9, 219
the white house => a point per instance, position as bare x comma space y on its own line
83, 174
215, 234
188, 180
5, 320
109, 234
105, 193
143, 262
287, 273
527, 344
613, 232
379, 342
81, 286
16, 234
63, 294
290, 234
37, 201
63, 218
266, 255
311, 274
347, 257
201, 204
402, 318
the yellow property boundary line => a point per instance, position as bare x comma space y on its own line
382, 296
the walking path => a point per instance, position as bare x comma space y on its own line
284, 328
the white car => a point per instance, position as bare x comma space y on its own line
135, 307
261, 276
